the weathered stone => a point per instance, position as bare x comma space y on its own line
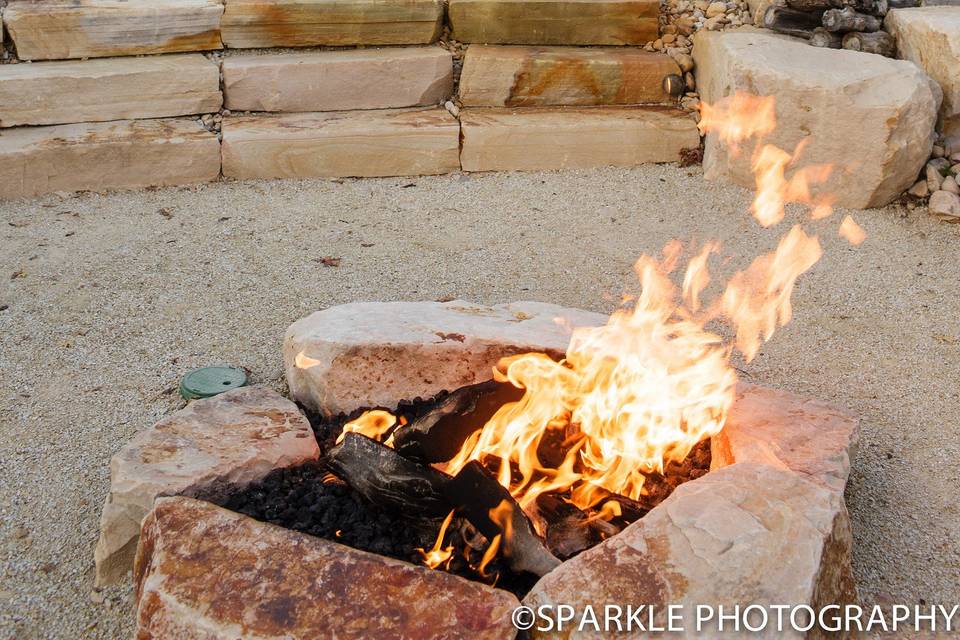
107, 155
208, 447
790, 432
205, 573
110, 89
372, 354
561, 22
882, 112
302, 23
747, 534
338, 80
945, 205
930, 38
57, 29
341, 143
578, 137
515, 76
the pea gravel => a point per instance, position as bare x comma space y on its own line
108, 299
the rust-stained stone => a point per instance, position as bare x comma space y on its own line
527, 76
787, 431
744, 534
203, 572
208, 447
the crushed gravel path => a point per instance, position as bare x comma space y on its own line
107, 300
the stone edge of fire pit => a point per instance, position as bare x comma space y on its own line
377, 354
205, 572
209, 446
744, 534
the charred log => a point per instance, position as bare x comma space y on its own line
845, 20
478, 496
384, 477
438, 435
872, 7
791, 21
880, 42
823, 38
811, 5
568, 528
903, 4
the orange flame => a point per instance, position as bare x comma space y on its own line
439, 554
851, 231
303, 361
372, 424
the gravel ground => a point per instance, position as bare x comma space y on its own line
107, 300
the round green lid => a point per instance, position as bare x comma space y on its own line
210, 381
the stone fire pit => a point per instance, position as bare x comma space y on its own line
767, 525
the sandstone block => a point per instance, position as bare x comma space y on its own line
930, 38
121, 154
108, 89
372, 354
518, 76
205, 573
878, 135
224, 442
562, 22
303, 23
745, 534
341, 143
580, 137
338, 80
56, 29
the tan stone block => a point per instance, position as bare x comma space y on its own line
341, 143
205, 573
525, 76
302, 23
338, 80
106, 155
556, 138
561, 22
108, 89
56, 29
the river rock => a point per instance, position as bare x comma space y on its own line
210, 446
205, 573
375, 354
945, 205
882, 112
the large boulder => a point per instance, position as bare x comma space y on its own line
375, 354
930, 38
205, 573
747, 534
871, 117
205, 449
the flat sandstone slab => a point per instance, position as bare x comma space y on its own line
743, 535
203, 572
575, 138
210, 446
121, 154
338, 80
57, 29
303, 23
882, 112
930, 38
375, 354
341, 144
108, 89
526, 76
560, 22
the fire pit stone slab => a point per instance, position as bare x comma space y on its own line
203, 572
745, 534
784, 430
224, 442
375, 354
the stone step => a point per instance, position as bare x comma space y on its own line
341, 144
106, 155
301, 23
563, 22
524, 76
108, 89
338, 80
573, 138
58, 29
